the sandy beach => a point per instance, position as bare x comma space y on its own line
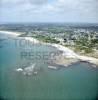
69, 57
66, 55
15, 34
10, 33
31, 39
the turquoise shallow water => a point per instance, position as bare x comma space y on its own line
77, 82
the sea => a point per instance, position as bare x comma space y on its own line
76, 82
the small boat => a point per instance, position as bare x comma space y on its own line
30, 68
52, 67
19, 69
28, 71
94, 66
35, 73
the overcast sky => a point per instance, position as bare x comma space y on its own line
49, 11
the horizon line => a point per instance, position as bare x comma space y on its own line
49, 22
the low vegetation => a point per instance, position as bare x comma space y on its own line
85, 45
47, 39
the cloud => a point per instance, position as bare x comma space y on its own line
20, 2
50, 10
80, 9
38, 2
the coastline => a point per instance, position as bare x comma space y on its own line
16, 34
10, 33
73, 57
68, 56
33, 40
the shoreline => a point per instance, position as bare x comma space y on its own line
70, 54
33, 40
16, 34
10, 33
67, 53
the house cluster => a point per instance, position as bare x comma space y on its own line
68, 37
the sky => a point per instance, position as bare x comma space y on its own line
84, 11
